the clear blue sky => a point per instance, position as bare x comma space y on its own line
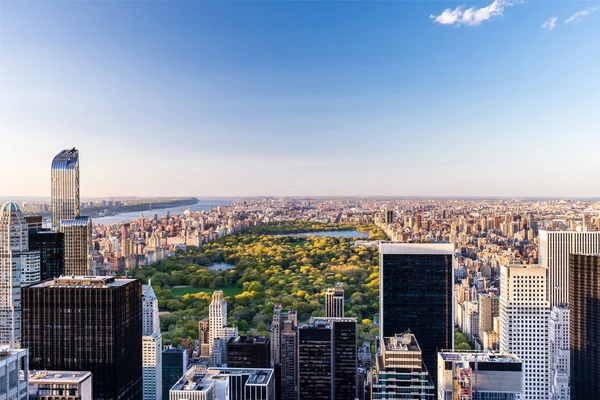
303, 97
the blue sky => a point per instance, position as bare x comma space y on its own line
303, 97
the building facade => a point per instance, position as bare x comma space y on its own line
524, 314
584, 281
13, 383
88, 324
219, 331
65, 385
51, 246
65, 186
288, 366
151, 346
78, 245
560, 359
174, 365
416, 295
334, 302
248, 352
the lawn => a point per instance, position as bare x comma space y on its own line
297, 242
228, 291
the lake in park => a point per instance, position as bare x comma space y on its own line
221, 266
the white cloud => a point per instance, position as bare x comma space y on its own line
550, 23
471, 16
581, 14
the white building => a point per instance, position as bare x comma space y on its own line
560, 355
13, 379
218, 329
66, 385
151, 346
555, 247
524, 313
30, 268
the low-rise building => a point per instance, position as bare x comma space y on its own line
66, 385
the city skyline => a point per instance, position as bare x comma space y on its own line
304, 98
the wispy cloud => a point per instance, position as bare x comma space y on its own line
472, 16
550, 23
580, 14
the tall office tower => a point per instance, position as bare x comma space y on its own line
51, 246
416, 295
65, 186
489, 307
327, 359
18, 266
400, 372
248, 352
334, 302
65, 385
173, 367
88, 324
151, 346
78, 245
555, 247
479, 375
560, 360
219, 331
389, 216
289, 375
204, 338
124, 247
524, 313
13, 384
584, 299
279, 317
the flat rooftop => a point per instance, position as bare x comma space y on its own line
39, 376
401, 342
249, 340
476, 356
76, 281
198, 379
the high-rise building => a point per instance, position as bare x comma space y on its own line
14, 365
584, 299
174, 365
65, 186
199, 383
204, 338
560, 360
334, 302
489, 308
327, 359
416, 290
87, 324
400, 372
479, 375
65, 385
78, 245
151, 346
18, 266
219, 331
248, 352
555, 248
524, 313
51, 246
279, 317
288, 365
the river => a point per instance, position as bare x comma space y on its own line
203, 205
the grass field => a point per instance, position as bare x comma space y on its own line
228, 291
297, 242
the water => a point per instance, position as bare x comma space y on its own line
343, 234
203, 205
221, 266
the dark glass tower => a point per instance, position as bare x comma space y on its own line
584, 299
87, 324
51, 246
174, 365
248, 352
416, 281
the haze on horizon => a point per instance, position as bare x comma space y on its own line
302, 98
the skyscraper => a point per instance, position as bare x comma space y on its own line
51, 246
334, 301
560, 360
555, 248
87, 324
524, 313
327, 359
151, 346
65, 186
584, 299
219, 331
78, 245
248, 352
416, 289
288, 365
174, 365
18, 266
400, 372
279, 317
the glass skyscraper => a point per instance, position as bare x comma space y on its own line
65, 186
416, 281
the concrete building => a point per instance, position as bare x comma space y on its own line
66, 385
219, 331
334, 301
560, 360
279, 317
65, 186
78, 245
479, 375
199, 383
416, 290
524, 314
14, 365
70, 320
399, 370
489, 308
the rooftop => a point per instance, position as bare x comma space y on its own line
249, 340
477, 356
401, 342
58, 376
200, 379
75, 281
